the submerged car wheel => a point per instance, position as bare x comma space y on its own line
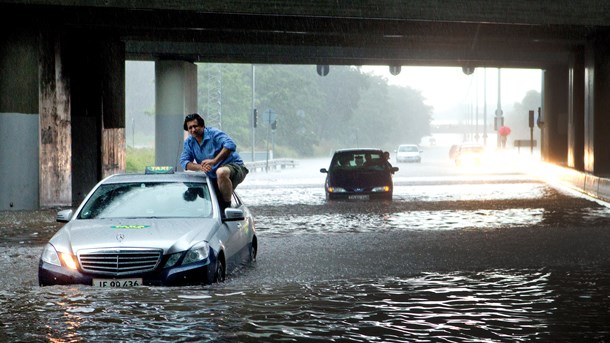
253, 251
219, 274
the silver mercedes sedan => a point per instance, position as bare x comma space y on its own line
157, 228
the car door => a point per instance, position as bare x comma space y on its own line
236, 245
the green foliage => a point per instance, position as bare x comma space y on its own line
518, 118
346, 108
138, 159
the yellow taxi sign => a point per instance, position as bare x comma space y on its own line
159, 170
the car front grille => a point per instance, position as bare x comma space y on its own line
120, 261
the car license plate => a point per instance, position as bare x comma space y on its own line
117, 283
358, 197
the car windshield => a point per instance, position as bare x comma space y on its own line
408, 148
149, 200
358, 161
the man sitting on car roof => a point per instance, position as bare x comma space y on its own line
212, 151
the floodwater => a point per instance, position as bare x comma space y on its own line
506, 259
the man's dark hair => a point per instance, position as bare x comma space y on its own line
191, 117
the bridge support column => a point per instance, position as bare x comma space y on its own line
576, 111
176, 96
55, 123
597, 106
554, 134
97, 72
19, 116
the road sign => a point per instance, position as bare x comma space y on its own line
269, 116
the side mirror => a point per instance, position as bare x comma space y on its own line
234, 214
394, 169
64, 216
323, 170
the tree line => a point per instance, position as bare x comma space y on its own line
315, 114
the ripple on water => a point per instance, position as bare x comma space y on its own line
476, 191
412, 220
492, 305
308, 195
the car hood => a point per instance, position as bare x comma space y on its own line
171, 235
364, 179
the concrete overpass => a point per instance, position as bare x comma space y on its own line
62, 74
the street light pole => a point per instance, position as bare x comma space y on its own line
485, 107
252, 113
476, 108
499, 120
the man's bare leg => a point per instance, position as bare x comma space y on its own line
225, 186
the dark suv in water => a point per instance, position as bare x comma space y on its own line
359, 174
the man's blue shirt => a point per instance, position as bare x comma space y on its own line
213, 142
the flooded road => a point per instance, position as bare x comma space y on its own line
459, 255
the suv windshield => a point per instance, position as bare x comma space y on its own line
149, 199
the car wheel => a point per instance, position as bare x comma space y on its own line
253, 251
219, 274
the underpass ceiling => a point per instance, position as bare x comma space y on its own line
468, 33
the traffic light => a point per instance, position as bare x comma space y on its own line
254, 118
274, 125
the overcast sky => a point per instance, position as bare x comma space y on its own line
446, 88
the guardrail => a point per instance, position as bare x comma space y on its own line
270, 165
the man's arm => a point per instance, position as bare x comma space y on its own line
221, 156
187, 156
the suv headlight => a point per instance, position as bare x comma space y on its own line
381, 189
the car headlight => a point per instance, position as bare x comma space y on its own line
172, 260
198, 252
381, 189
68, 260
49, 255
336, 189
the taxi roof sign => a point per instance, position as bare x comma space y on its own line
159, 170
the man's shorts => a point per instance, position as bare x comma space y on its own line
238, 173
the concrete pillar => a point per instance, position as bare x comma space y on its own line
55, 123
113, 107
176, 96
554, 145
19, 118
597, 106
97, 74
576, 110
